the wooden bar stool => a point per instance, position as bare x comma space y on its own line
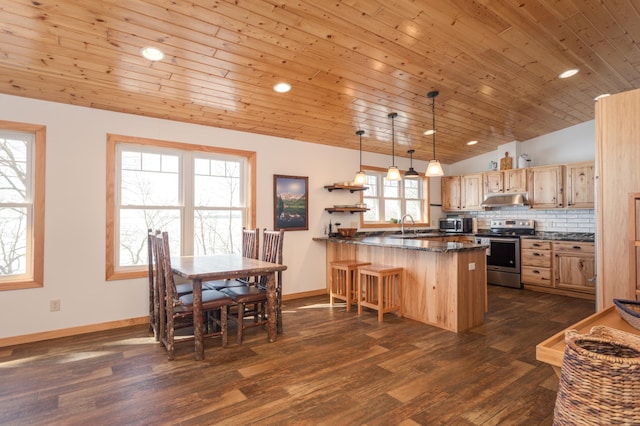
344, 282
380, 288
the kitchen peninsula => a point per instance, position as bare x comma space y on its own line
445, 282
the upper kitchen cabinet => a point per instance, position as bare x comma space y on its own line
450, 186
617, 176
545, 187
514, 180
579, 183
471, 192
493, 182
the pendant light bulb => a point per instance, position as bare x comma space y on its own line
434, 168
361, 176
393, 173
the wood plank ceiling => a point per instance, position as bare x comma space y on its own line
350, 62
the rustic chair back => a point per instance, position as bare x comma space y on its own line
153, 286
272, 252
250, 242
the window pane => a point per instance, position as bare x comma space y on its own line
13, 171
391, 188
134, 224
149, 179
412, 188
217, 183
13, 241
372, 184
392, 210
373, 215
414, 208
217, 232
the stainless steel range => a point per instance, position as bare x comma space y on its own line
503, 254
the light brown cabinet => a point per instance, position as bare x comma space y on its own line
617, 176
471, 192
546, 184
579, 178
574, 266
514, 180
561, 267
450, 186
535, 259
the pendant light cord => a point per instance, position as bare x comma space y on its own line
393, 115
433, 112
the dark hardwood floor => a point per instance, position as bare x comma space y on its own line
329, 367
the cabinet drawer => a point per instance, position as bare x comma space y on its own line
573, 247
538, 276
528, 243
539, 258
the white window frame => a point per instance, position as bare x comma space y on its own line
187, 154
34, 135
380, 175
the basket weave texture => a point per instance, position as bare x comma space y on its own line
599, 379
629, 310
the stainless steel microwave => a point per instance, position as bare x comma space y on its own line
456, 224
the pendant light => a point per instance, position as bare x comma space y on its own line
434, 168
411, 173
361, 177
393, 173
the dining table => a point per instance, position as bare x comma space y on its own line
200, 269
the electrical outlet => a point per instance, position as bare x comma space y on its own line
472, 266
54, 305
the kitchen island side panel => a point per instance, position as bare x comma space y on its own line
439, 289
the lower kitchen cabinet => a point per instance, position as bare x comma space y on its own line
535, 258
574, 266
560, 267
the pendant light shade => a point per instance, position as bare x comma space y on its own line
361, 177
434, 168
411, 173
393, 173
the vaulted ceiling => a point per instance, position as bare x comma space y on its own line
350, 63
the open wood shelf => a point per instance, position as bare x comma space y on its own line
351, 188
346, 209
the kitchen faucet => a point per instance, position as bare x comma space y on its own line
413, 222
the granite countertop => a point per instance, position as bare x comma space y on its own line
563, 236
405, 243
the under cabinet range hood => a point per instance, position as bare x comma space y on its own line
505, 200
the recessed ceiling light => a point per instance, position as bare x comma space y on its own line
282, 87
569, 73
604, 95
152, 53
429, 132
472, 142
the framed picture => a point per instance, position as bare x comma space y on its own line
290, 203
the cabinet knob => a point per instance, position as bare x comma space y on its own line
536, 254
535, 271
577, 247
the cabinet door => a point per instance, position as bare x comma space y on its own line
471, 189
493, 182
545, 186
574, 272
580, 189
515, 180
450, 187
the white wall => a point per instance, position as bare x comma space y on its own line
76, 203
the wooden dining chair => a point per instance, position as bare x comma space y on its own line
180, 307
154, 300
252, 299
250, 247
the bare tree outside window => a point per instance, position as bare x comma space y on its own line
150, 198
15, 206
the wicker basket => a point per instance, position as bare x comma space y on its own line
629, 310
599, 379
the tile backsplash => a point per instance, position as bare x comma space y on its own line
559, 220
